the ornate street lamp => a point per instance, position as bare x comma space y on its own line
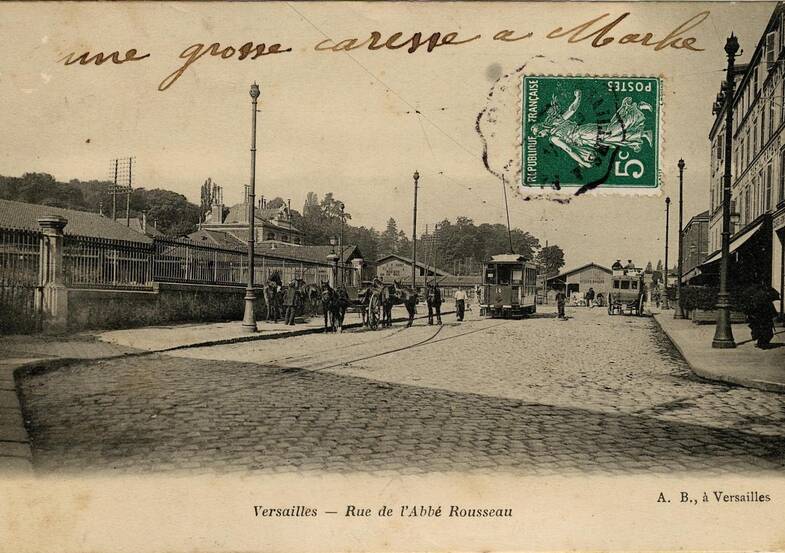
678, 313
332, 257
723, 335
249, 317
414, 234
340, 243
667, 226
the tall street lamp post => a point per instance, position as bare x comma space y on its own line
340, 244
678, 313
667, 228
723, 335
416, 177
249, 317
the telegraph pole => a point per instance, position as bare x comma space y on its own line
414, 233
114, 192
128, 195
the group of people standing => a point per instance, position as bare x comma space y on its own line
433, 299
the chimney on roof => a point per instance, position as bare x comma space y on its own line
289, 208
144, 221
217, 209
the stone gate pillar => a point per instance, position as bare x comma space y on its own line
54, 294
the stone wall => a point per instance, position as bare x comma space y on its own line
166, 303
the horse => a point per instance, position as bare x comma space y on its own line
334, 303
272, 296
312, 295
406, 296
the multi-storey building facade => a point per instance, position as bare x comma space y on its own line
695, 243
757, 164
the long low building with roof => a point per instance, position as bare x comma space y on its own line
24, 216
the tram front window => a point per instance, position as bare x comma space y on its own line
490, 275
504, 275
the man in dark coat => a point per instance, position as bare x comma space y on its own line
761, 315
291, 302
561, 299
434, 301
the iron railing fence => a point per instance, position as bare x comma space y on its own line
20, 254
90, 262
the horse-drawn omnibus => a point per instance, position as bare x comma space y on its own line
626, 295
509, 287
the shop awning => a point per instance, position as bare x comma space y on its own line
692, 273
735, 244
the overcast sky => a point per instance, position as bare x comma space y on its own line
347, 123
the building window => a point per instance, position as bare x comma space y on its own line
768, 188
772, 113
746, 205
754, 139
748, 157
782, 174
762, 126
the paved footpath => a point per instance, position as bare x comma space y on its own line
593, 394
744, 365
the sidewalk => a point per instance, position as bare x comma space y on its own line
28, 351
745, 365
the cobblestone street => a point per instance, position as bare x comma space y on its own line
538, 396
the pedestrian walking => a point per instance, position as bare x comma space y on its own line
460, 303
761, 315
561, 299
433, 299
291, 302
590, 297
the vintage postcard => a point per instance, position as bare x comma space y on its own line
392, 276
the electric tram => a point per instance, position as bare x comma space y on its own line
509, 287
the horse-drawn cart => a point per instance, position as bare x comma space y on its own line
365, 300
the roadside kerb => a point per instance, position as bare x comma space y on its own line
707, 369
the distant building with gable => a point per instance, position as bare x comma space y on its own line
270, 224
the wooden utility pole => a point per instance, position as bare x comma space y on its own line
414, 233
114, 192
128, 196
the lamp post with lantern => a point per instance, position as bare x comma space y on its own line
249, 317
332, 257
678, 313
416, 177
667, 228
723, 334
340, 243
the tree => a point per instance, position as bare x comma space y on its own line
551, 258
388, 240
275, 203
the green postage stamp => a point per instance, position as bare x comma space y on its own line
590, 132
